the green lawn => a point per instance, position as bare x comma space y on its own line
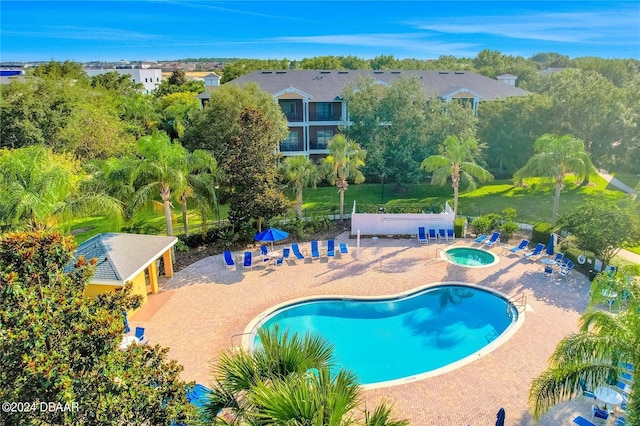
533, 203
147, 220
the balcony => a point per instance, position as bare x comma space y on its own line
289, 146
293, 116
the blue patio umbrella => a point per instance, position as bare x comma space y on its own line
270, 235
500, 417
551, 245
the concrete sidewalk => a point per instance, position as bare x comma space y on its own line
615, 182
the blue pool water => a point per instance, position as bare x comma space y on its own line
469, 256
387, 339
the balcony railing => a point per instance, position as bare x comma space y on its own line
334, 116
287, 146
317, 145
293, 116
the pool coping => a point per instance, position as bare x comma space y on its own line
509, 332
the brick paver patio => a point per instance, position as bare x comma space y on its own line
201, 309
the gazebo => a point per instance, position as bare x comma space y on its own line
126, 257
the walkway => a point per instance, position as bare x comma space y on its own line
206, 304
615, 182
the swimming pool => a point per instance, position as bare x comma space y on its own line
471, 257
406, 337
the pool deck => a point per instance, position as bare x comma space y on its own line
204, 309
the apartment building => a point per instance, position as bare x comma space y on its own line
310, 99
149, 78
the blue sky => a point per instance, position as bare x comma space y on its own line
164, 30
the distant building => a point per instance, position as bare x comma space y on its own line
311, 101
508, 79
150, 78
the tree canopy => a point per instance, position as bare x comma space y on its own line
61, 346
603, 228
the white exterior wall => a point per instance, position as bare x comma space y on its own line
399, 224
150, 78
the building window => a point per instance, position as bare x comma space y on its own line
324, 136
325, 111
290, 143
290, 110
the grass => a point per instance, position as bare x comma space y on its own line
533, 203
147, 220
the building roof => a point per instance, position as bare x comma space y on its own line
326, 86
122, 256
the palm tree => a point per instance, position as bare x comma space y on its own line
595, 354
343, 164
40, 188
288, 380
456, 160
201, 177
162, 170
555, 157
299, 172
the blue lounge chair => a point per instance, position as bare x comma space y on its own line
621, 421
331, 248
586, 393
522, 246
139, 333
442, 234
598, 413
315, 252
481, 238
422, 235
495, 237
626, 376
581, 421
285, 256
228, 259
548, 272
450, 234
626, 366
248, 263
265, 253
536, 251
558, 259
433, 235
343, 248
296, 251
566, 268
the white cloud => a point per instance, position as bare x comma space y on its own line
576, 27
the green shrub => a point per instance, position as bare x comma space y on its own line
507, 229
481, 225
541, 232
458, 226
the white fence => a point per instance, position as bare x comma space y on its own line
399, 223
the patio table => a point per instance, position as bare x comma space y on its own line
608, 395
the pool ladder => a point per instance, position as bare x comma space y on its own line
519, 301
444, 253
240, 335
